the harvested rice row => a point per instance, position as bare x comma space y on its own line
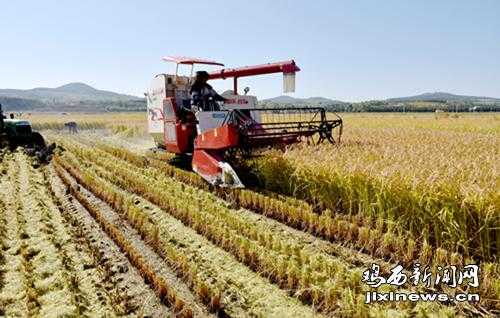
88, 298
347, 280
102, 282
490, 289
49, 287
307, 274
73, 282
184, 215
353, 231
164, 290
117, 275
3, 224
194, 259
13, 291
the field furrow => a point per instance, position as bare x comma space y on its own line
244, 240
354, 231
115, 260
108, 275
278, 207
13, 300
376, 239
112, 227
310, 273
220, 282
50, 269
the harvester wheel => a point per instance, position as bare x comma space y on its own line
37, 140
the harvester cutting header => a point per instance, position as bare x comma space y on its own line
204, 129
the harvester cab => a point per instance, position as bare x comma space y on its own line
206, 137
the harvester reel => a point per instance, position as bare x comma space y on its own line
326, 132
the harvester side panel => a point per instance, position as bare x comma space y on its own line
178, 134
155, 97
165, 90
219, 138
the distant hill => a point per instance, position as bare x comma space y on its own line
425, 97
69, 97
442, 96
68, 92
427, 102
283, 99
74, 97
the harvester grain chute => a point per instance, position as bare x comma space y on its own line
207, 137
19, 133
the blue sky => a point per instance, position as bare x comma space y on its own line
348, 50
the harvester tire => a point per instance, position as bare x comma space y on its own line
37, 140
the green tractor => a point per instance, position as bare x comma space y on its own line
18, 133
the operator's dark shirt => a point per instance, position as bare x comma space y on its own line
204, 96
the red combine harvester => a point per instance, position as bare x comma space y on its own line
207, 137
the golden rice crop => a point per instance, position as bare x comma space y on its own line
442, 186
463, 122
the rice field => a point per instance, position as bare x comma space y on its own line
111, 229
440, 185
123, 124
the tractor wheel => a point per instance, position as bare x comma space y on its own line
37, 140
4, 141
13, 144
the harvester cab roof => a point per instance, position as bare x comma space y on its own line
207, 136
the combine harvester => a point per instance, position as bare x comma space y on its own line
207, 138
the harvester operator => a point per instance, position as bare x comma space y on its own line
203, 95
